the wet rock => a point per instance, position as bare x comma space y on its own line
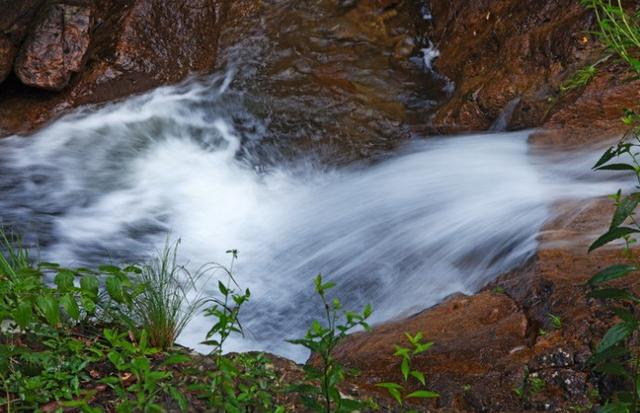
499, 51
358, 60
472, 358
490, 343
557, 357
15, 21
135, 45
56, 47
16, 18
147, 43
7, 55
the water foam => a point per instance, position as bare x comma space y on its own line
439, 216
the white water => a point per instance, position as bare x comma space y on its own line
439, 216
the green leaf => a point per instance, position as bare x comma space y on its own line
615, 335
90, 284
612, 293
612, 235
116, 359
328, 286
179, 398
611, 273
64, 280
393, 389
404, 368
390, 386
114, 288
423, 394
606, 157
368, 310
617, 167
109, 269
422, 347
626, 316
614, 369
419, 376
612, 353
70, 306
177, 358
624, 210
23, 314
48, 305
615, 407
88, 304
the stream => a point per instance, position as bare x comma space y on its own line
299, 183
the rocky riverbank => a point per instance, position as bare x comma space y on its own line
502, 64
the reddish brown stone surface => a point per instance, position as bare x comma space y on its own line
7, 54
510, 58
483, 342
56, 47
478, 341
136, 45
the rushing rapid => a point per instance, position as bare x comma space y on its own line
436, 216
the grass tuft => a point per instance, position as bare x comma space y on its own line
14, 257
167, 304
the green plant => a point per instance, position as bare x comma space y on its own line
243, 382
138, 383
54, 372
580, 79
406, 355
225, 309
618, 353
322, 340
531, 384
499, 290
556, 321
164, 306
618, 30
14, 256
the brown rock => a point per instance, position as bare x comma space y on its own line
7, 55
136, 45
508, 60
483, 342
56, 47
15, 21
16, 17
474, 338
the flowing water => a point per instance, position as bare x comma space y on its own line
400, 226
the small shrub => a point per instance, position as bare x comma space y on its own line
134, 361
242, 382
322, 340
617, 354
409, 374
531, 385
226, 308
